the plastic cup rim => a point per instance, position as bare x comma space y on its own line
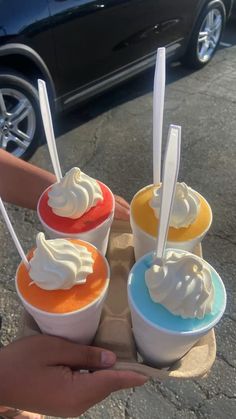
196, 332
171, 241
67, 314
75, 235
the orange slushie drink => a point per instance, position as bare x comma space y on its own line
65, 287
191, 218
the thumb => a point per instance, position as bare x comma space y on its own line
122, 202
117, 380
102, 383
122, 209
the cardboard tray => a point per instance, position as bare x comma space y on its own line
115, 330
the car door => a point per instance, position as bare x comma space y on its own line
94, 38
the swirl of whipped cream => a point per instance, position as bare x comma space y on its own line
183, 285
74, 195
185, 208
59, 264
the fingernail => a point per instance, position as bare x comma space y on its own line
107, 358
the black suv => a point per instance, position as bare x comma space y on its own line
83, 47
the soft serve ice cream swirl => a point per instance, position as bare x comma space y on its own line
74, 195
59, 264
185, 207
183, 285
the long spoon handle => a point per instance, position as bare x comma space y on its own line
170, 175
158, 110
48, 128
13, 235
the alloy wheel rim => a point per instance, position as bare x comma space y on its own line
17, 121
209, 35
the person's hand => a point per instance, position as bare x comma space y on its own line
122, 208
41, 374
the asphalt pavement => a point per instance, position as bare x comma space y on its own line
111, 139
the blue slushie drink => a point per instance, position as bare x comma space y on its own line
174, 305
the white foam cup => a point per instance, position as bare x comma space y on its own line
79, 326
145, 243
159, 346
97, 236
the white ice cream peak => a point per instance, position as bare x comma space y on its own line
59, 264
183, 285
185, 208
74, 195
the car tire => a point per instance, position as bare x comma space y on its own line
212, 15
20, 119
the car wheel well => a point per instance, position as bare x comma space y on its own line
190, 58
214, 2
228, 6
28, 69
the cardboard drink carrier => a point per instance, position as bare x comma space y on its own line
115, 329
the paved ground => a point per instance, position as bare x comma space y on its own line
111, 139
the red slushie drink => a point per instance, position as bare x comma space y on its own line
78, 207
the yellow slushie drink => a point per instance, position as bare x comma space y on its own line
191, 218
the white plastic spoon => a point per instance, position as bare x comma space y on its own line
158, 111
13, 235
48, 128
170, 175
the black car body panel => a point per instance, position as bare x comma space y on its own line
28, 22
81, 47
117, 34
